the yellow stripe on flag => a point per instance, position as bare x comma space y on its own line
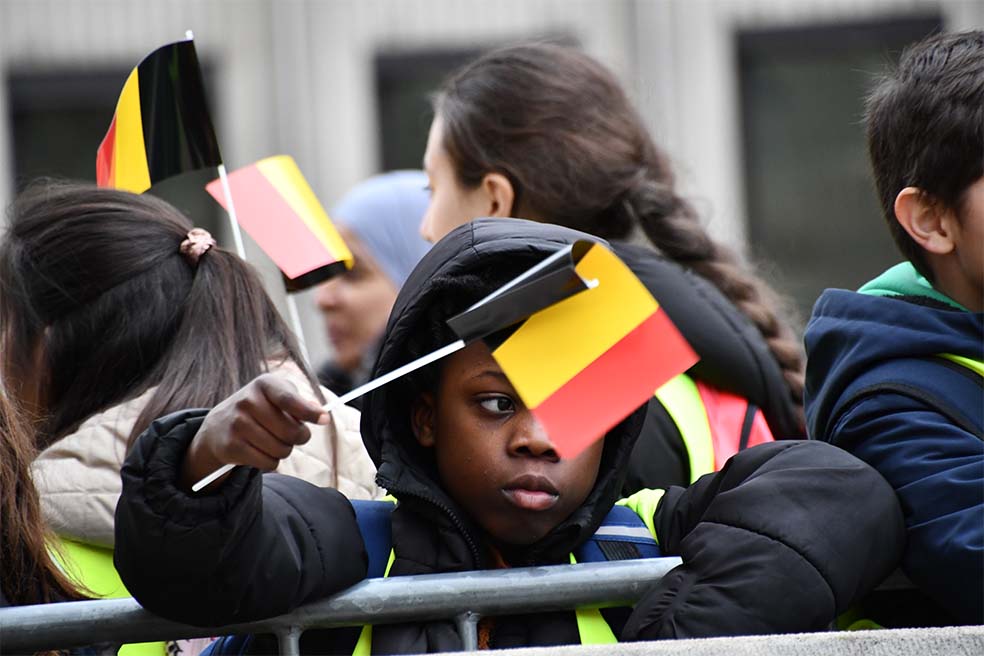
558, 342
283, 174
129, 153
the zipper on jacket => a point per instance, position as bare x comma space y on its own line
455, 520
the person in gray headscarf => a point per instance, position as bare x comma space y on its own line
379, 220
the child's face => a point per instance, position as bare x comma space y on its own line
451, 204
494, 458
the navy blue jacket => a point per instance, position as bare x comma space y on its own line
875, 386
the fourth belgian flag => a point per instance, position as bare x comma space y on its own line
161, 126
583, 364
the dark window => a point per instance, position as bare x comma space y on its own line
405, 81
812, 209
58, 121
404, 84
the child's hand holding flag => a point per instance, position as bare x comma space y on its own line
579, 337
258, 426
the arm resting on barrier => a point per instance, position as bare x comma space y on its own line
258, 546
937, 470
782, 539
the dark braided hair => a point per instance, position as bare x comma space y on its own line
557, 124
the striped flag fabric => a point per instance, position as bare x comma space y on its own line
161, 126
583, 364
277, 208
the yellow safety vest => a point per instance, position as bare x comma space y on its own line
92, 568
682, 401
974, 365
591, 625
713, 423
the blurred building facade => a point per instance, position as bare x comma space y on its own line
756, 101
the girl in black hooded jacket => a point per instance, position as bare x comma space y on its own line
783, 539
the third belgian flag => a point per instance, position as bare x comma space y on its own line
161, 126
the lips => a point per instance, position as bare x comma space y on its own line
336, 335
531, 492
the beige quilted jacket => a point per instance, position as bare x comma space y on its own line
78, 477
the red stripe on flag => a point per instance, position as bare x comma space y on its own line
616, 383
105, 157
264, 213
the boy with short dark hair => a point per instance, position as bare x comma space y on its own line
894, 370
781, 540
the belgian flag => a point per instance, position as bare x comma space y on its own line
161, 126
586, 355
278, 209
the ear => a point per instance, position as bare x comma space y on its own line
422, 419
928, 222
500, 194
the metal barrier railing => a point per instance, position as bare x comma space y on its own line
465, 596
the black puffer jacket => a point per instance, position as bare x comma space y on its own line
734, 357
733, 354
781, 540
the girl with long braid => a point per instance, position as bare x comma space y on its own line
544, 132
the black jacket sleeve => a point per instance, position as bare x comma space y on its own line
784, 538
258, 546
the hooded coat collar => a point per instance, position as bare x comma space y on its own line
431, 532
888, 319
902, 280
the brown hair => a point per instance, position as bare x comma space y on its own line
96, 278
28, 574
557, 124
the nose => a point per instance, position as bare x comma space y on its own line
327, 296
530, 439
425, 225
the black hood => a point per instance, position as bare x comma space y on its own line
505, 247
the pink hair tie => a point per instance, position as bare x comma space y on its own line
196, 244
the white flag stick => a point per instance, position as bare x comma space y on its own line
295, 319
230, 207
231, 210
422, 361
221, 471
396, 373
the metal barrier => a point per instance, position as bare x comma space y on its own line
465, 596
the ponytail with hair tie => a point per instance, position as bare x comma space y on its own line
196, 244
